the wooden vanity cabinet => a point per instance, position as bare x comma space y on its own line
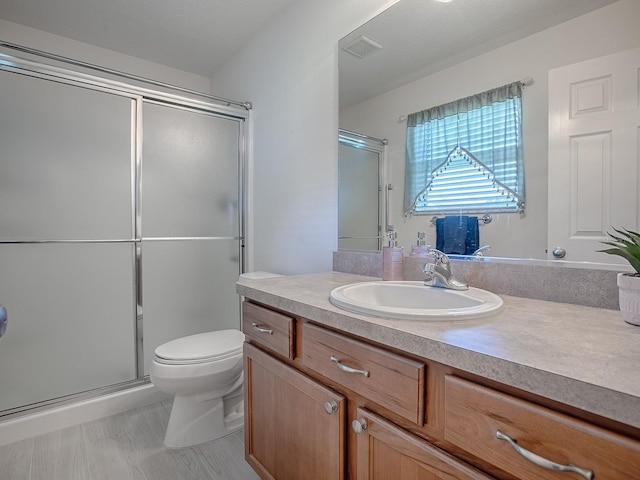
323, 405
298, 428
294, 426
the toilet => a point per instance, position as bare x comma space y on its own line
204, 372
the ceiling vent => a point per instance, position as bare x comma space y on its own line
361, 47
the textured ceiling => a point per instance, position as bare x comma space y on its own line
421, 37
196, 36
199, 36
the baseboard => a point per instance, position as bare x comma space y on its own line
57, 418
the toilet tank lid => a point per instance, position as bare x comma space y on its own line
202, 346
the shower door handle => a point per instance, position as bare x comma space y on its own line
3, 320
387, 188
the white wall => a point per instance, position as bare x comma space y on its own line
39, 40
608, 30
290, 74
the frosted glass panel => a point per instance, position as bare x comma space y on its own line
71, 320
358, 198
189, 287
189, 174
65, 156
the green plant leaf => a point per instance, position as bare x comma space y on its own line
626, 245
630, 235
634, 262
632, 248
623, 238
633, 236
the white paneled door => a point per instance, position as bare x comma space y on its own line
594, 120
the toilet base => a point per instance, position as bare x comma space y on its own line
195, 420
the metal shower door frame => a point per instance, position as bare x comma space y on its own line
237, 111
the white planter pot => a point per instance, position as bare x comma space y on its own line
629, 291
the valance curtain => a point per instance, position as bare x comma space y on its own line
488, 125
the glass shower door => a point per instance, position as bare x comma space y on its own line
190, 223
361, 211
66, 248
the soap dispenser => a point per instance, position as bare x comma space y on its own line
392, 259
420, 249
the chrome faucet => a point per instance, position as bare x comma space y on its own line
438, 274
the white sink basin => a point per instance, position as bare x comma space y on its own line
415, 301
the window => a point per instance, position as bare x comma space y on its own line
466, 156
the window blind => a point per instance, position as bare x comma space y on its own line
466, 156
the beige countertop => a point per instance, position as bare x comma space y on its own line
582, 356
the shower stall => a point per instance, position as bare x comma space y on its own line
121, 227
363, 194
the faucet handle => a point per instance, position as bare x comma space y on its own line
441, 258
428, 268
439, 276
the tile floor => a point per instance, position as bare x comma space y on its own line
127, 446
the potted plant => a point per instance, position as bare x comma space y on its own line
626, 244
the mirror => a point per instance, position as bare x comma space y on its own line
362, 192
434, 52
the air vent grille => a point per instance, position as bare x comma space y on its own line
361, 47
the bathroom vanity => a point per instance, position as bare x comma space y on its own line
334, 395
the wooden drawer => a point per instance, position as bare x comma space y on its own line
390, 380
474, 414
270, 329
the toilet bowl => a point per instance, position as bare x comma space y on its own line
204, 372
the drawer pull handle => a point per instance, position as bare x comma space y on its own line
330, 407
359, 425
261, 329
347, 369
543, 462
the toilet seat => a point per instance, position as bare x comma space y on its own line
201, 348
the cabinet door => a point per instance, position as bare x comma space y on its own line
291, 430
385, 451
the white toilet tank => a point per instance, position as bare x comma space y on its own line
259, 275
